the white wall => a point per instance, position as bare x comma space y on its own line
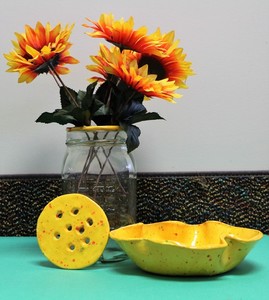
221, 123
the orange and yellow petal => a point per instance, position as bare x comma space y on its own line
27, 76
122, 34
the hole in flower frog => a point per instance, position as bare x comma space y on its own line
87, 240
90, 221
57, 235
81, 229
59, 214
69, 227
75, 211
72, 247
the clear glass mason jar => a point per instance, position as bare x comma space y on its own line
97, 165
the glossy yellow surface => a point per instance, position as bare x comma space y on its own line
176, 248
72, 231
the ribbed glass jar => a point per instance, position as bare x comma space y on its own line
97, 165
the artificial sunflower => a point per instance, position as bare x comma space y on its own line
125, 66
40, 50
122, 34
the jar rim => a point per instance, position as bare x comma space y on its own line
95, 128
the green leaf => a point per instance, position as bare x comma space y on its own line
58, 116
67, 96
91, 87
103, 91
131, 109
80, 96
102, 109
145, 116
133, 133
81, 116
88, 98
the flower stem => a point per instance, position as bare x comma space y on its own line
107, 160
93, 154
58, 79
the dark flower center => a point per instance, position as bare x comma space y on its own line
46, 66
154, 66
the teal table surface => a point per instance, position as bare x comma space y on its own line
26, 274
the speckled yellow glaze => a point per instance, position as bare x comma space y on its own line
177, 248
72, 231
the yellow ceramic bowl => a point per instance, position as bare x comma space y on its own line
176, 248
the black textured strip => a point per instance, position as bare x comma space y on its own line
240, 199
22, 200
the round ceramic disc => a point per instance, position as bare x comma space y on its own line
72, 231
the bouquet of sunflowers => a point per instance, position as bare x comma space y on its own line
138, 67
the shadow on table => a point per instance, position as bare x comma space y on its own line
128, 268
131, 269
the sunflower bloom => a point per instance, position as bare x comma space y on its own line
121, 33
125, 65
172, 65
40, 50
